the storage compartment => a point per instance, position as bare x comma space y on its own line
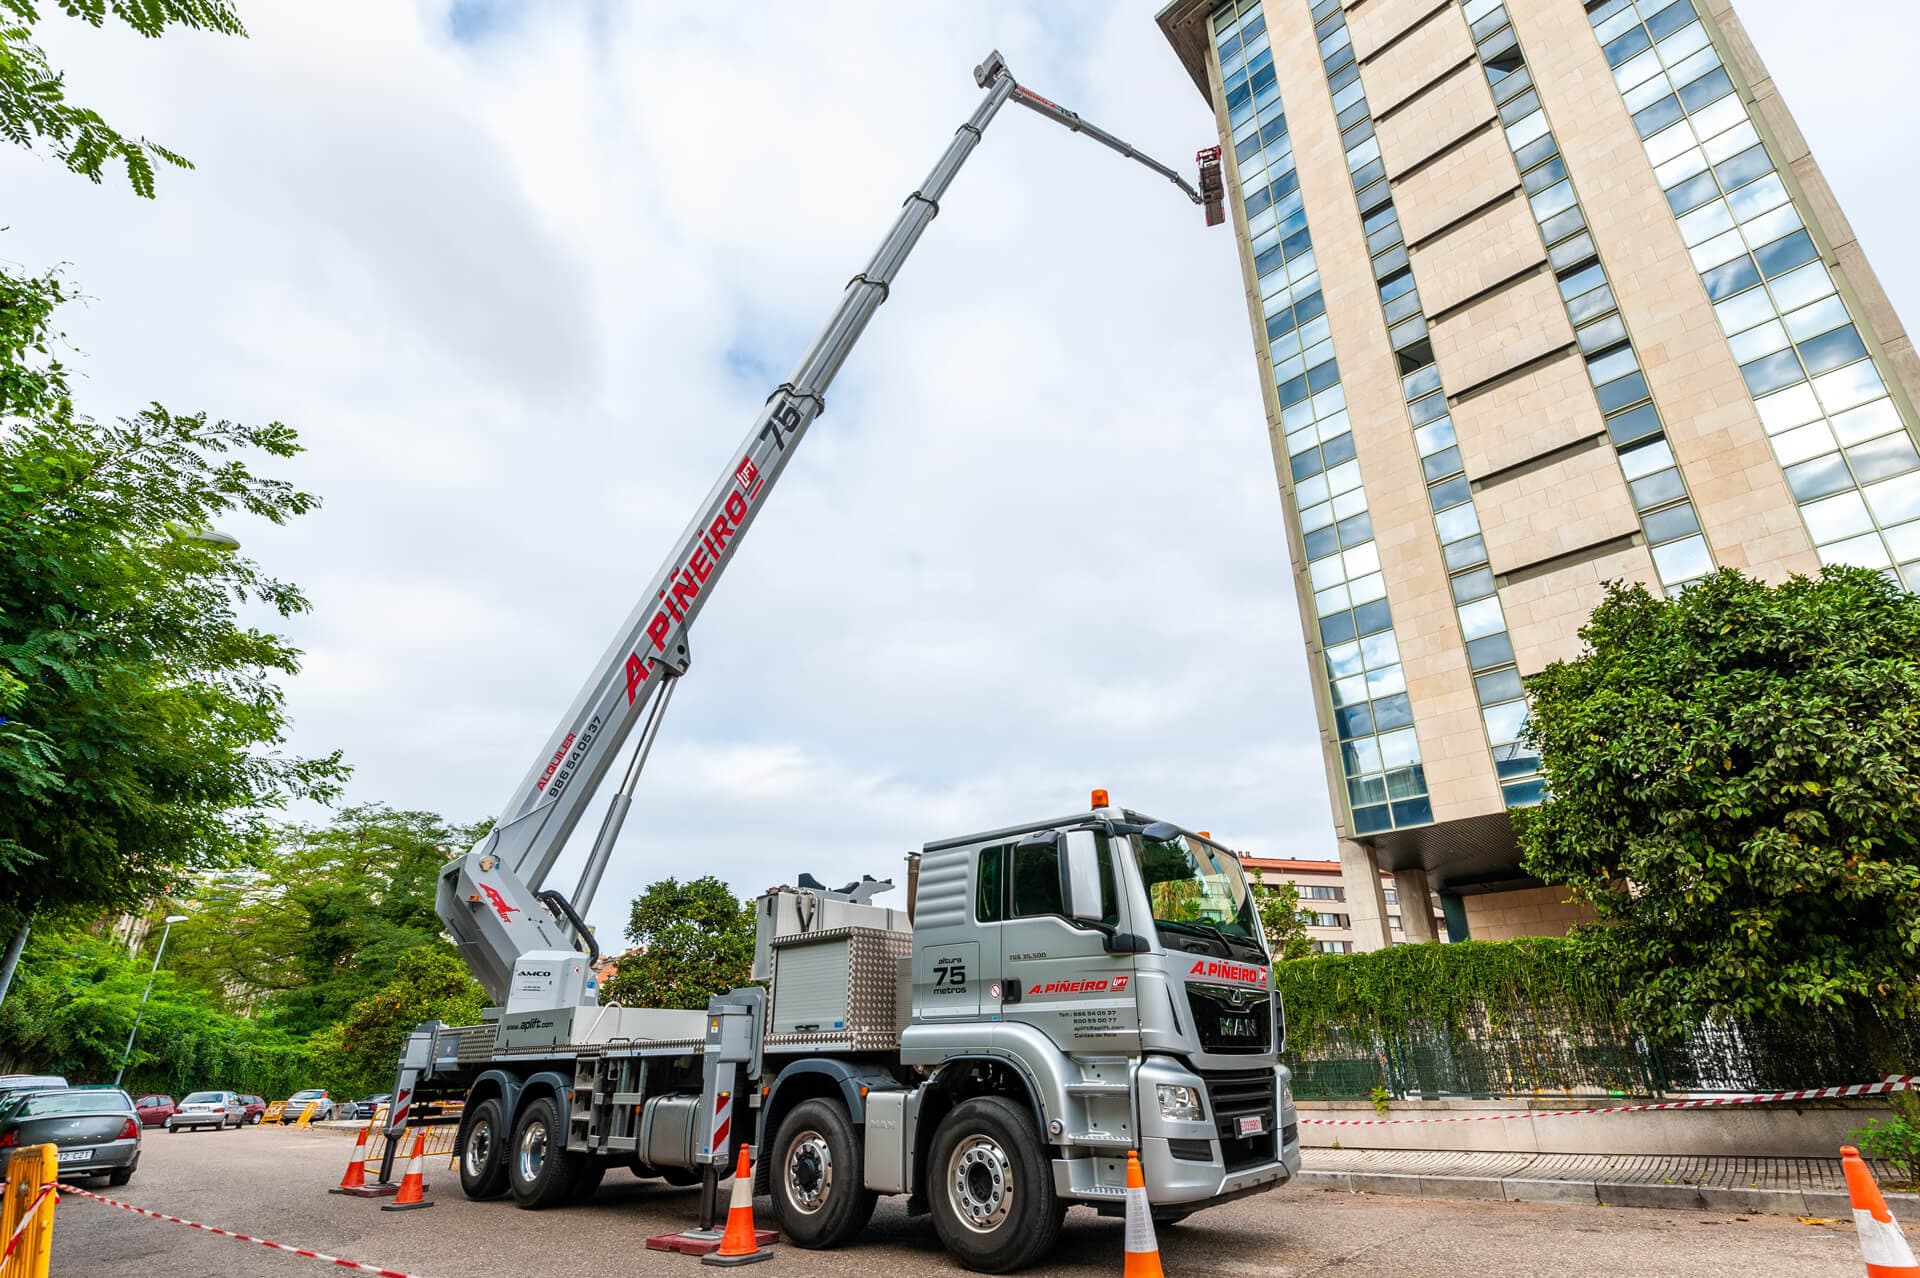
838, 986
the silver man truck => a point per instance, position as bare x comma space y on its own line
1052, 995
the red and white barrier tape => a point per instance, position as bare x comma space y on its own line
227, 1233
19, 1230
1891, 1083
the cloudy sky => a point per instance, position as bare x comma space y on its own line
522, 274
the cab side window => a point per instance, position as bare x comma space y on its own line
990, 896
1037, 881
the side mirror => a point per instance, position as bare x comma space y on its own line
1126, 943
1083, 877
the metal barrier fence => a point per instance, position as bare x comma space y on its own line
26, 1216
1524, 1053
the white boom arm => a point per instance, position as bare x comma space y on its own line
491, 897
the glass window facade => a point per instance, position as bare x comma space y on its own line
1380, 755
1679, 548
1848, 456
1483, 625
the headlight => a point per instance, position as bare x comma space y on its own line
1179, 1102
1286, 1095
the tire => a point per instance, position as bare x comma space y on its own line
253, 1120
175, 1131
483, 1151
820, 1198
540, 1171
121, 1175
990, 1186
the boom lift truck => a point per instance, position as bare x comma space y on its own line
1055, 992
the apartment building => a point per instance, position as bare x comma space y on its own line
1543, 294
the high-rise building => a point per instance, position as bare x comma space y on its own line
1323, 902
1543, 294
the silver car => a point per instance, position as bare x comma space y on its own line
95, 1129
208, 1109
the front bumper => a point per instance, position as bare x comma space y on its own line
1210, 1159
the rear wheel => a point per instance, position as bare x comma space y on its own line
483, 1150
990, 1186
820, 1196
120, 1175
540, 1171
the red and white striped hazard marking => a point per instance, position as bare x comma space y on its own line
722, 1121
228, 1233
20, 1229
1891, 1083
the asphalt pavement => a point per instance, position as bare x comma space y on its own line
272, 1183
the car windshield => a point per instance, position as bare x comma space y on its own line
1196, 887
202, 1098
312, 1093
88, 1102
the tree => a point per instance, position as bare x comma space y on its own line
693, 940
33, 101
1735, 781
1283, 921
144, 729
323, 919
429, 984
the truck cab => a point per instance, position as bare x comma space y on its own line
1117, 966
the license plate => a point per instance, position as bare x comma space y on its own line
75, 1155
1252, 1125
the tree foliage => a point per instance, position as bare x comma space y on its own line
1735, 780
33, 96
143, 727
692, 939
1283, 921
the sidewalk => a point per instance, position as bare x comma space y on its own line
1775, 1186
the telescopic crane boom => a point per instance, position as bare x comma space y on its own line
516, 934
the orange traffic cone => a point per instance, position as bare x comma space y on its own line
740, 1245
356, 1174
1143, 1252
1882, 1245
413, 1186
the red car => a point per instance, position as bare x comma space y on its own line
255, 1107
153, 1110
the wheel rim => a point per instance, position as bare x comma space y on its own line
479, 1149
980, 1184
533, 1151
809, 1165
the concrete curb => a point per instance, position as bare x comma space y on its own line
1738, 1200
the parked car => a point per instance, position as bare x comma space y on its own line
255, 1108
12, 1085
366, 1108
153, 1109
322, 1105
208, 1109
95, 1129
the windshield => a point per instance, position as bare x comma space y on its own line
87, 1102
1196, 887
202, 1098
312, 1093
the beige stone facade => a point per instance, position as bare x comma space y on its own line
1511, 264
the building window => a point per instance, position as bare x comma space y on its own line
1848, 457
1333, 947
1326, 920
1483, 623
1319, 893
1372, 716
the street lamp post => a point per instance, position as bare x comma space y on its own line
126, 1055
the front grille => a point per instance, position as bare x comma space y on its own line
1236, 1094
1231, 1021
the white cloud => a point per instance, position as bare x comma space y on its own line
522, 294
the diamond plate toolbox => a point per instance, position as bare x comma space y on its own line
838, 986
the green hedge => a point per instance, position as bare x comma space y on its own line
1527, 1017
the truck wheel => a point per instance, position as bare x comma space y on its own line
483, 1151
540, 1171
990, 1184
819, 1187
